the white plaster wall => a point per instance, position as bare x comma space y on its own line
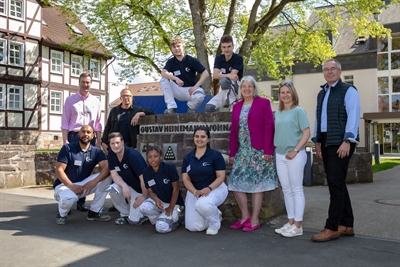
2, 119
31, 8
75, 81
14, 119
31, 52
95, 85
30, 95
2, 70
103, 81
3, 23
34, 121
45, 71
15, 72
45, 112
55, 123
66, 75
55, 78
16, 26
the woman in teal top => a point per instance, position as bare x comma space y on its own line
292, 131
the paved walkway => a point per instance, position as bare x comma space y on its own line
29, 236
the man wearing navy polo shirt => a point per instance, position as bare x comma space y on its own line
128, 190
228, 68
179, 79
75, 163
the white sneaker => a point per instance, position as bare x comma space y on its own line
211, 231
220, 215
282, 229
293, 231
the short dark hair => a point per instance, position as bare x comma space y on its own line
226, 39
114, 135
86, 74
153, 148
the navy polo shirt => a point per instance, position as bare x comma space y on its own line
226, 67
185, 69
202, 171
129, 168
161, 181
80, 164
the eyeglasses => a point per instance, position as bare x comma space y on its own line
126, 96
285, 83
331, 69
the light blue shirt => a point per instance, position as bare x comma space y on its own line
352, 103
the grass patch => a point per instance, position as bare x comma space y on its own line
385, 164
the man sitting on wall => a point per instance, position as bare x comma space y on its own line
75, 163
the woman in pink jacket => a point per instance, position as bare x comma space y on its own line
251, 153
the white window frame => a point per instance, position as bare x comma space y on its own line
10, 95
4, 59
13, 8
21, 53
4, 12
349, 79
59, 63
95, 74
2, 94
275, 87
76, 65
56, 102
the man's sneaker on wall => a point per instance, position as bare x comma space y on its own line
97, 216
190, 111
170, 111
61, 220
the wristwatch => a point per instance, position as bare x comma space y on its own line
347, 141
296, 150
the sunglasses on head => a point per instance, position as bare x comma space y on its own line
285, 83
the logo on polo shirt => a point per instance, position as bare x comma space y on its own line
206, 164
166, 181
88, 159
187, 69
230, 69
125, 166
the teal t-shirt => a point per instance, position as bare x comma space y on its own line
289, 126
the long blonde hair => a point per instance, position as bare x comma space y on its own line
295, 96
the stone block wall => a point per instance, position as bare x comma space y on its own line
41, 140
45, 164
17, 166
359, 171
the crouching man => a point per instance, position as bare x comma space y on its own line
75, 163
128, 191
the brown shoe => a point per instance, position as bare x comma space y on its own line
325, 235
345, 231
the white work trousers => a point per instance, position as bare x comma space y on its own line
171, 90
202, 213
226, 96
157, 217
125, 209
67, 198
291, 173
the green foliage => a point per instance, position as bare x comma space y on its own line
272, 35
385, 164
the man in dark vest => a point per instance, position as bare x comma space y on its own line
335, 137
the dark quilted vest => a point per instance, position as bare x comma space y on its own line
336, 114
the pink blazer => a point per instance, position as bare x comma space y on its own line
261, 126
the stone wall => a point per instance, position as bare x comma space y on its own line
17, 166
173, 133
45, 164
359, 171
41, 140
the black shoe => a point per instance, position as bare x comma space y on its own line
112, 209
97, 216
81, 207
61, 220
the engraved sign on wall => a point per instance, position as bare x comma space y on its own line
170, 152
143, 149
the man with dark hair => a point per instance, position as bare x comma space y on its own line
179, 79
81, 109
335, 137
128, 190
124, 119
228, 68
75, 163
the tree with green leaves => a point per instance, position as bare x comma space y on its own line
271, 34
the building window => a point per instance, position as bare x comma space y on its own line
2, 90
14, 97
349, 79
76, 65
17, 9
3, 51
55, 102
2, 7
95, 69
15, 54
275, 93
389, 74
57, 61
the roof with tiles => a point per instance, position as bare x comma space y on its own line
55, 31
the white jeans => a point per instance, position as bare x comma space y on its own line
171, 90
291, 173
164, 223
202, 213
125, 209
67, 198
226, 94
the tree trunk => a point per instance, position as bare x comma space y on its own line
198, 11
